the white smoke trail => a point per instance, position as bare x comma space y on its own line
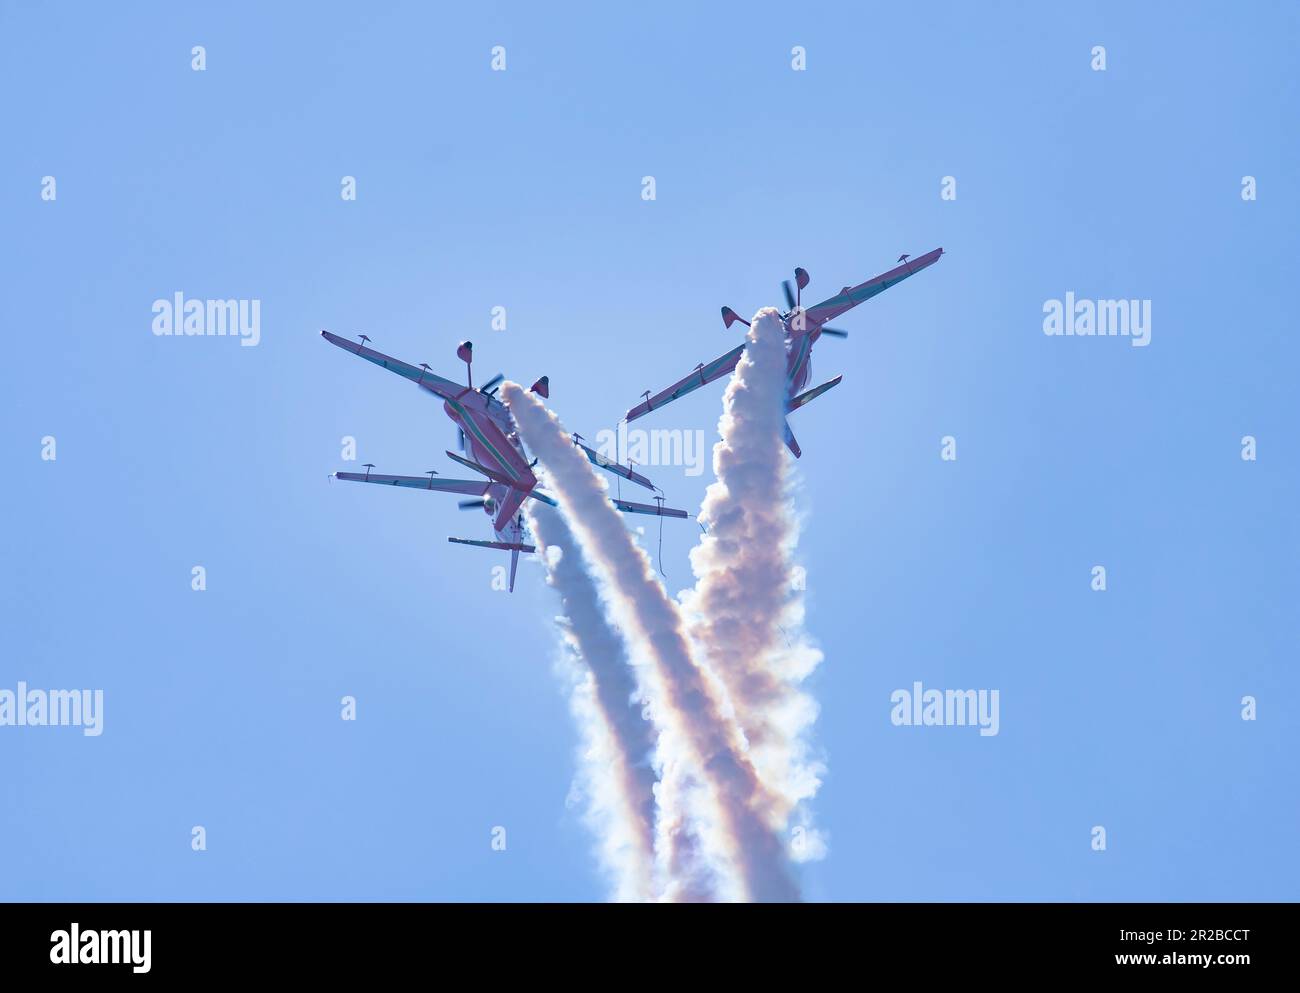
618, 744
684, 701
746, 612
685, 852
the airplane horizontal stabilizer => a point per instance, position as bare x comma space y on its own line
505, 546
813, 394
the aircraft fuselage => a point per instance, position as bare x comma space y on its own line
798, 351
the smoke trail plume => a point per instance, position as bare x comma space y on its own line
684, 700
688, 872
617, 743
745, 613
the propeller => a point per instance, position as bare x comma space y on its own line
487, 387
835, 332
460, 438
789, 293
473, 504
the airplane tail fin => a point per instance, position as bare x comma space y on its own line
790, 441
509, 504
514, 565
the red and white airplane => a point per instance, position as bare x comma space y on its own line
803, 326
495, 452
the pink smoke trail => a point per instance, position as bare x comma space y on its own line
618, 745
690, 711
746, 611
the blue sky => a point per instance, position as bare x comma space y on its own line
522, 189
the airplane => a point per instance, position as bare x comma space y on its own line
495, 453
803, 326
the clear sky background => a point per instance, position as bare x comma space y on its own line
522, 189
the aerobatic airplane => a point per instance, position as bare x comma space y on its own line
496, 453
802, 329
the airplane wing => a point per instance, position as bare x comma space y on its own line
472, 487
596, 459
706, 373
654, 509
851, 296
414, 373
